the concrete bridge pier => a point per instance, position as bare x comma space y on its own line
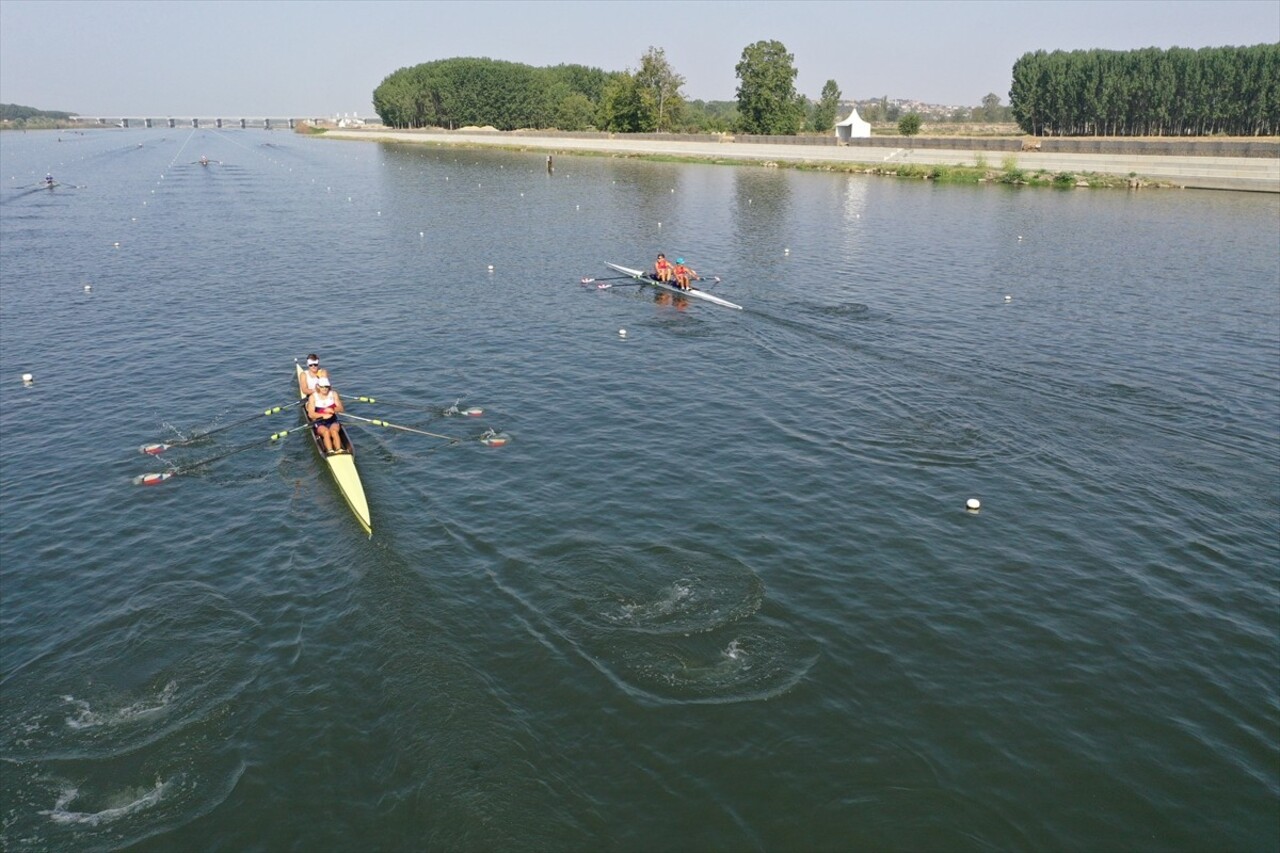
173, 122
243, 124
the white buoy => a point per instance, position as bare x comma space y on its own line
973, 504
490, 267
27, 379
117, 244
422, 233
1008, 298
786, 251
1019, 236
622, 333
88, 288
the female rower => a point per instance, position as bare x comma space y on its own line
307, 380
323, 408
682, 274
662, 268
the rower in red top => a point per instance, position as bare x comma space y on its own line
662, 268
682, 274
323, 408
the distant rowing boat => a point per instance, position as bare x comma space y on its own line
342, 466
641, 276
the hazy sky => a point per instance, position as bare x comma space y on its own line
269, 58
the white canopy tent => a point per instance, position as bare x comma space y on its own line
853, 128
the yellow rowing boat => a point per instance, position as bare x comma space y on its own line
342, 466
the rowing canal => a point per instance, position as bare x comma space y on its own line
720, 591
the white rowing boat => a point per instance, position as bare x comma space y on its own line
342, 466
640, 275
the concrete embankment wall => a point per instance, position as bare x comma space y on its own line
1253, 166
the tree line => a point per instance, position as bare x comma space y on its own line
468, 91
1148, 92
21, 116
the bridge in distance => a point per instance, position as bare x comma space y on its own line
264, 123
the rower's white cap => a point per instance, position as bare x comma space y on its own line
312, 361
323, 382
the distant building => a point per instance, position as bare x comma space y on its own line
852, 128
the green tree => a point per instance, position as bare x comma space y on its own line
991, 107
767, 100
659, 87
622, 108
575, 112
909, 124
823, 117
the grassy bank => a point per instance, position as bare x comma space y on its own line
1008, 172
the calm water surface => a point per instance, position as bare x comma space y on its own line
720, 590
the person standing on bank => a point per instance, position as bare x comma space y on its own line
323, 408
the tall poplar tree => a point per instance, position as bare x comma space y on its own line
824, 112
767, 99
659, 87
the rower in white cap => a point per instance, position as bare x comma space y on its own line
307, 379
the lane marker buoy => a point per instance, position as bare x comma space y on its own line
973, 504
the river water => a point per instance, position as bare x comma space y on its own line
719, 591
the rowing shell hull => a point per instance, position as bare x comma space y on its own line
640, 275
343, 468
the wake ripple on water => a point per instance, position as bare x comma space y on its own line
668, 625
101, 736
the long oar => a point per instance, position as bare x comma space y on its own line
389, 425
590, 280
154, 449
489, 437
160, 477
470, 411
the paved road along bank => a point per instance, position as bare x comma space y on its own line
1222, 173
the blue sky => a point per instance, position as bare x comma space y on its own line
267, 58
